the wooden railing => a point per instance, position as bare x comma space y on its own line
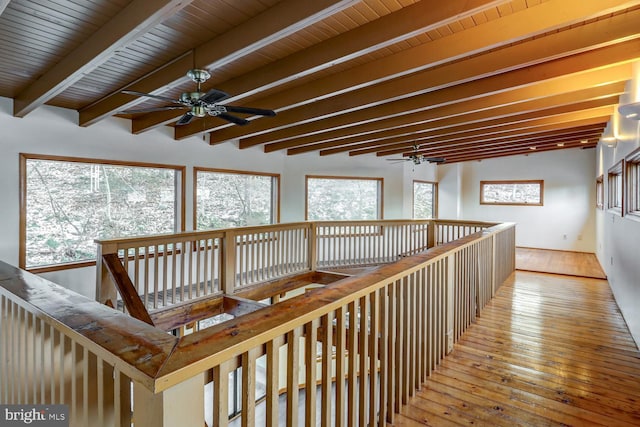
367, 342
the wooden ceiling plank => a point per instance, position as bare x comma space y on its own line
138, 17
382, 32
283, 19
474, 116
499, 32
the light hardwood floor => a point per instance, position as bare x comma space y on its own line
559, 262
549, 350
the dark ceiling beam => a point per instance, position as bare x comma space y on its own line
444, 49
472, 147
473, 116
514, 122
277, 22
138, 17
535, 124
367, 38
518, 151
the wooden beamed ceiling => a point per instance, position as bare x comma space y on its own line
460, 79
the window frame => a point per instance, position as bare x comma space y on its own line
632, 182
275, 196
615, 178
379, 180
434, 207
540, 182
600, 192
179, 220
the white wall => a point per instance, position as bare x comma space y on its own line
566, 221
618, 238
54, 131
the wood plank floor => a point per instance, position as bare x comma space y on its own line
548, 350
559, 262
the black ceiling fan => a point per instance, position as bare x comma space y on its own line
199, 104
419, 158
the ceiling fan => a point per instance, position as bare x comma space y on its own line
199, 104
419, 158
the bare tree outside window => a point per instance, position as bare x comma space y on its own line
512, 192
71, 203
424, 199
233, 199
336, 199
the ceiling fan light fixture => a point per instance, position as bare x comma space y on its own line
190, 97
199, 111
198, 75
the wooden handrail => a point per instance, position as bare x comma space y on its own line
164, 365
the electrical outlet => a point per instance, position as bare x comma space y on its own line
564, 237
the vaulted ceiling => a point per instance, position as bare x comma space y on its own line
461, 79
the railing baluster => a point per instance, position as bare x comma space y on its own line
311, 340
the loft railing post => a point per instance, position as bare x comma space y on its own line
105, 287
180, 405
313, 245
228, 274
431, 234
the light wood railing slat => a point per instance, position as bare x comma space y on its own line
326, 402
293, 360
310, 356
352, 365
273, 389
363, 355
341, 345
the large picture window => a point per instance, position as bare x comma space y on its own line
519, 193
425, 196
67, 203
343, 198
225, 199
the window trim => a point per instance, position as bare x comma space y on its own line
600, 192
22, 244
631, 177
275, 198
614, 171
434, 208
512, 181
380, 181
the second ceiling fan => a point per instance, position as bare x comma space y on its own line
200, 104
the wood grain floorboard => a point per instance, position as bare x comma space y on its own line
581, 264
548, 350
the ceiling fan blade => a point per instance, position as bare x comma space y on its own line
233, 119
435, 159
249, 110
163, 98
213, 96
399, 160
151, 110
185, 119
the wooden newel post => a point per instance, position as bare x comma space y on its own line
431, 234
106, 292
180, 405
228, 273
312, 249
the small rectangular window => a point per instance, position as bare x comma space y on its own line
425, 196
615, 186
225, 199
343, 198
632, 202
600, 192
67, 203
517, 193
